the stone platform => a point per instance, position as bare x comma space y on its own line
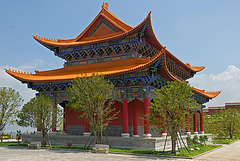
153, 143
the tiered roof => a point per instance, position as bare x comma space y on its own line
99, 31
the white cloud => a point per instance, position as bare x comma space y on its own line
36, 63
228, 82
8, 81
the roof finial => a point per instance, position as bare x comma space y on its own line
105, 5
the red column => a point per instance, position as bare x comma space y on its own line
135, 120
54, 117
38, 130
201, 123
146, 111
188, 122
64, 119
86, 129
195, 122
164, 132
125, 118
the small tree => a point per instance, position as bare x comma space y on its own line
230, 122
203, 139
189, 140
10, 100
195, 140
168, 108
92, 98
38, 113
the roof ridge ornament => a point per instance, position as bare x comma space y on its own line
105, 5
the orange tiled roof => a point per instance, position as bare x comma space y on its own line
84, 39
186, 66
206, 94
125, 31
195, 90
71, 72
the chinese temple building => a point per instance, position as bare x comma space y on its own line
130, 57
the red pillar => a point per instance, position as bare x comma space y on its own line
38, 130
64, 119
86, 129
54, 117
201, 123
146, 111
195, 122
188, 122
135, 120
125, 118
164, 132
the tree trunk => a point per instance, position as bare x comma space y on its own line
98, 138
174, 138
44, 137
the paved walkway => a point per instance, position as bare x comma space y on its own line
227, 153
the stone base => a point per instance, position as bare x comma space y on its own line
86, 133
135, 136
195, 133
153, 143
125, 135
188, 133
39, 132
164, 134
53, 132
201, 132
147, 135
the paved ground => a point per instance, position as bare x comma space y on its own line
227, 153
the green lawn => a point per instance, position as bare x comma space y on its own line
13, 144
191, 154
223, 141
69, 147
134, 151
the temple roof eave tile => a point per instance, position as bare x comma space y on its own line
106, 68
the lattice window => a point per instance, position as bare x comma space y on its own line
99, 52
75, 55
135, 47
143, 51
125, 48
83, 54
108, 50
117, 49
90, 53
177, 70
68, 57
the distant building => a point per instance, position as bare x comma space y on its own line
217, 109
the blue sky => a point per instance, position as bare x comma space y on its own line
199, 32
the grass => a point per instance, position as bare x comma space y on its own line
202, 149
69, 147
196, 152
223, 141
13, 144
133, 151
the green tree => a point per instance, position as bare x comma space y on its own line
39, 113
223, 124
230, 122
170, 105
93, 97
10, 100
